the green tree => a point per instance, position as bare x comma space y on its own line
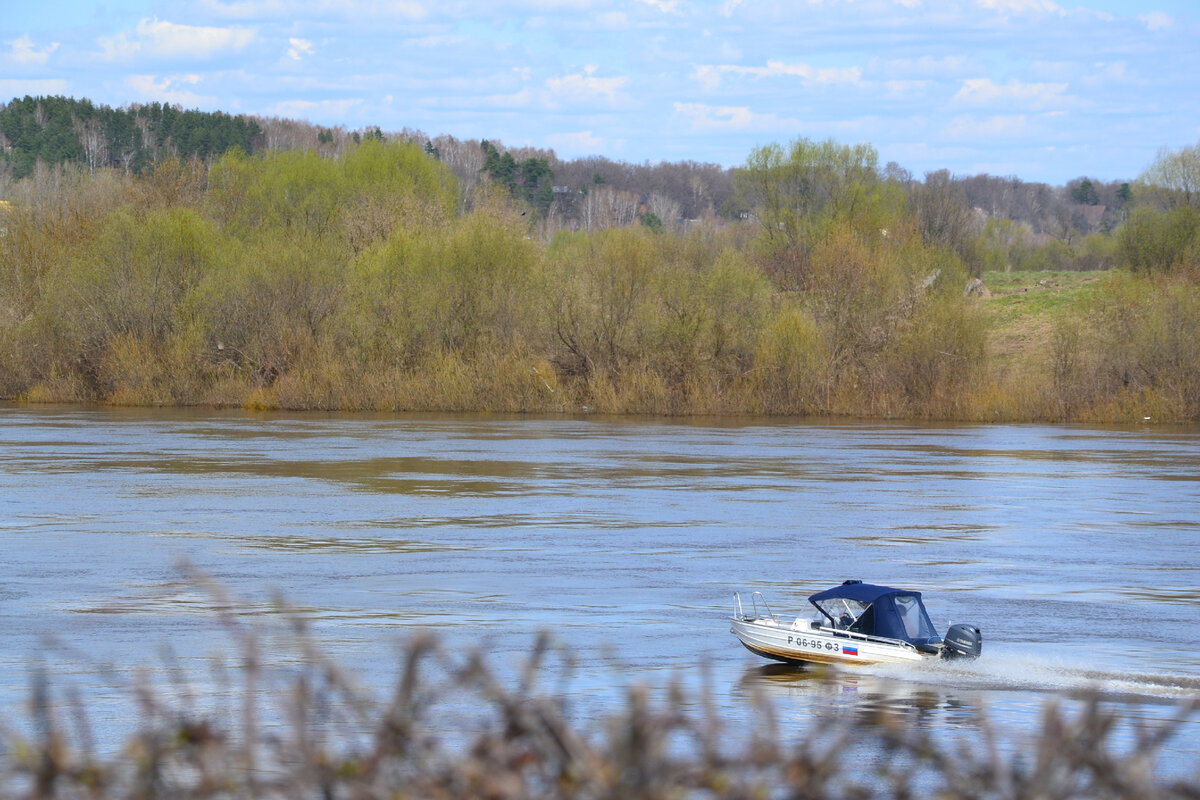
501, 168
798, 192
536, 181
651, 221
807, 181
1084, 192
1153, 241
531, 181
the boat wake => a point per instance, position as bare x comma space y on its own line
1020, 676
1000, 672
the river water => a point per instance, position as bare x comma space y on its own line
1073, 548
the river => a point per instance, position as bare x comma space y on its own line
1073, 548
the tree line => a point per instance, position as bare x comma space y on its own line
1036, 225
60, 130
369, 275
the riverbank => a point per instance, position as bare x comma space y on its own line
367, 283
1053, 352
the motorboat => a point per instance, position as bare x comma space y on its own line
855, 623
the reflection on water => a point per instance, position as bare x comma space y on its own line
1073, 548
961, 679
347, 545
862, 692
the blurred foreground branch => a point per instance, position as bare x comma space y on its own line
454, 728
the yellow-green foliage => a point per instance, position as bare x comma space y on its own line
365, 282
799, 192
601, 287
360, 197
425, 291
1008, 246
1150, 342
936, 353
266, 312
671, 315
791, 371
1151, 241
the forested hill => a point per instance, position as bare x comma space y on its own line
56, 130
1037, 226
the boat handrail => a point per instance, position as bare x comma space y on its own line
867, 637
754, 599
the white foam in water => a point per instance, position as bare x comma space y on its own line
1037, 672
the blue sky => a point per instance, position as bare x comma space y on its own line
1032, 88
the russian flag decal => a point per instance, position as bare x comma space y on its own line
850, 651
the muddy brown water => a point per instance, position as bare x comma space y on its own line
1073, 548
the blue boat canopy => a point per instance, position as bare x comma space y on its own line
876, 610
857, 590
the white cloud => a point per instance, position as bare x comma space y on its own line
1157, 20
578, 142
665, 6
711, 75
401, 9
167, 90
299, 48
24, 52
905, 88
730, 51
983, 130
17, 87
554, 5
586, 85
1108, 75
244, 9
729, 7
984, 91
157, 38
926, 66
345, 9
321, 109
703, 117
435, 41
448, 101
612, 21
1022, 6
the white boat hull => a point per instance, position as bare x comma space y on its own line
802, 642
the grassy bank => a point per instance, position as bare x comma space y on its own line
1106, 346
371, 282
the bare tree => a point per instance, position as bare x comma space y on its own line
667, 209
95, 143
1173, 179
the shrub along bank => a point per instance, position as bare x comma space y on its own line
369, 281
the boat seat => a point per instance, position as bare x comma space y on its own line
802, 625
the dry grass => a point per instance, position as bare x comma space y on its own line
454, 728
1023, 311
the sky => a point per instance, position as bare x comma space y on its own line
1030, 88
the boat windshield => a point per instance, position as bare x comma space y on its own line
916, 620
842, 611
895, 615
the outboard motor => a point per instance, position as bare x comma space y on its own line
962, 641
